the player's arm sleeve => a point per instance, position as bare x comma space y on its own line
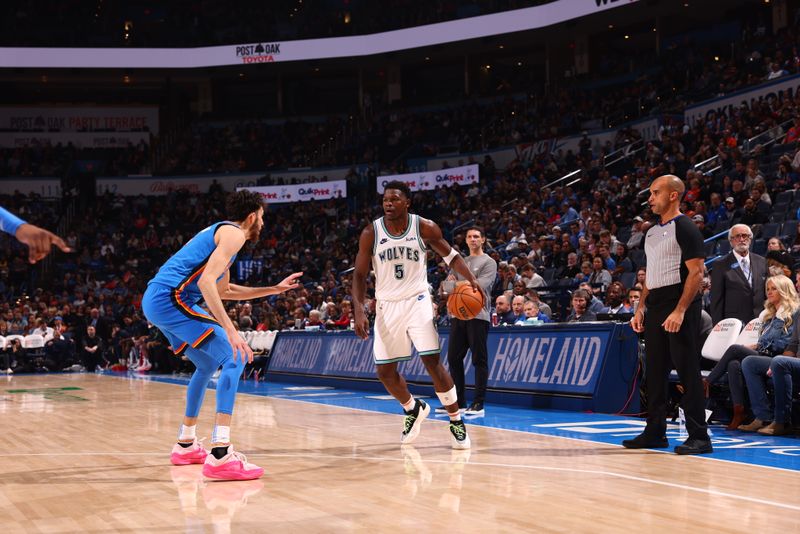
9, 222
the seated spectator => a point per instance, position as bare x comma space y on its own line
342, 316
14, 358
615, 299
43, 330
600, 277
778, 324
530, 278
532, 315
517, 309
624, 263
314, 321
700, 223
297, 321
542, 305
580, 307
60, 350
573, 269
91, 350
637, 233
586, 272
595, 304
785, 373
780, 263
634, 295
502, 308
775, 244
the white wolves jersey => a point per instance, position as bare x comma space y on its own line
399, 262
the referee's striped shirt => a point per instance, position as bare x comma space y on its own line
667, 248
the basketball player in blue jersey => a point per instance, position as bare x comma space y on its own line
200, 271
396, 247
39, 240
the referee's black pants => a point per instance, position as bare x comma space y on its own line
468, 335
666, 350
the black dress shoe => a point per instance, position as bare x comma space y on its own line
643, 441
695, 446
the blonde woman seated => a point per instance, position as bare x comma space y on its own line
778, 325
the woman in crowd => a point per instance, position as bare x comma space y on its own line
778, 325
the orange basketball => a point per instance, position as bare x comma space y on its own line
465, 303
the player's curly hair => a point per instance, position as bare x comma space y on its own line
399, 186
241, 204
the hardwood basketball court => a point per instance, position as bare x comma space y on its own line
90, 453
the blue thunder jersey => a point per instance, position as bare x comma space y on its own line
182, 271
399, 261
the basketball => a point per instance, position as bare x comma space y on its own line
465, 303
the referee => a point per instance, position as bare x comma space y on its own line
472, 334
671, 296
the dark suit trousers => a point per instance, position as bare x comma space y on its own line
667, 350
469, 335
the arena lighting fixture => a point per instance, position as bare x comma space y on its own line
627, 37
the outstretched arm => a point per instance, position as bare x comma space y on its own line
39, 240
363, 260
432, 235
228, 291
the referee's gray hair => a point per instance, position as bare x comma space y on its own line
730, 231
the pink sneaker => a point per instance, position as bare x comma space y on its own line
232, 466
195, 454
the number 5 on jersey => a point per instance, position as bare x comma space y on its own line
398, 271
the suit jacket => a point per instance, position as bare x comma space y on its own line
732, 297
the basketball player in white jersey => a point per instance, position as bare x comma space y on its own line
396, 245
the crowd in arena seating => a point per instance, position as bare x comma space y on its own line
684, 73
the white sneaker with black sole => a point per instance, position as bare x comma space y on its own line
413, 421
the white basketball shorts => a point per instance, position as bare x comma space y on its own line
400, 323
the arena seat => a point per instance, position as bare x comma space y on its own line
750, 333
722, 336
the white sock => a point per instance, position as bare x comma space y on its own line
408, 405
222, 434
455, 416
187, 433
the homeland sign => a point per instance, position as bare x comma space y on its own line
594, 361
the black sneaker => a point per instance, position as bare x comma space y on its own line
475, 410
695, 446
458, 431
413, 421
643, 441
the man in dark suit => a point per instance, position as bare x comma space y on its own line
738, 279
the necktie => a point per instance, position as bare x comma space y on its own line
746, 269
